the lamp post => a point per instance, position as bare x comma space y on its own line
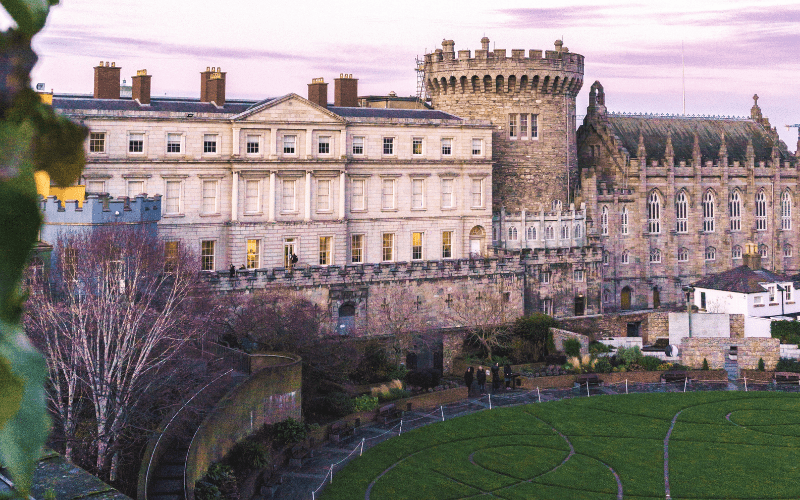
689, 292
781, 289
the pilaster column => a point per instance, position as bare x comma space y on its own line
235, 140
343, 143
271, 188
307, 213
235, 197
342, 197
309, 142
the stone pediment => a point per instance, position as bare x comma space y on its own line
290, 108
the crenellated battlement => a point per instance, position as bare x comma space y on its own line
540, 72
101, 209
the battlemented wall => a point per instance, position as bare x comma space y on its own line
491, 86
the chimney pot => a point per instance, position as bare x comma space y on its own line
140, 86
345, 91
212, 85
318, 92
106, 81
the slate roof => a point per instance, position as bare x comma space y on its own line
417, 114
655, 129
163, 104
740, 279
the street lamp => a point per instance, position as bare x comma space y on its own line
689, 291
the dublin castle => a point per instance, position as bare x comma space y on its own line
491, 189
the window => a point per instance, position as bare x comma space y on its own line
417, 194
387, 194
388, 145
655, 256
447, 244
210, 189
531, 233
289, 195
534, 126
758, 299
604, 221
252, 196
624, 220
288, 252
788, 291
735, 209
545, 278
170, 255
324, 145
172, 205
325, 245
523, 126
173, 143
135, 188
711, 253
447, 193
683, 255
135, 143
761, 211
289, 144
736, 252
416, 146
477, 147
512, 126
547, 306
207, 255
416, 246
556, 205
771, 290
209, 143
96, 186
252, 144
253, 254
786, 211
358, 145
763, 251
578, 231
654, 213
477, 193
787, 250
624, 258
564, 231
549, 233
578, 276
358, 200
702, 300
357, 249
388, 247
681, 213
708, 212
512, 233
606, 258
447, 147
323, 195
97, 142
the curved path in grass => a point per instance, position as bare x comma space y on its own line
666, 454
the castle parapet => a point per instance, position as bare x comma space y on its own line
100, 209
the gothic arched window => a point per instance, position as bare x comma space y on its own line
512, 233
786, 211
654, 213
623, 219
761, 211
735, 209
708, 212
681, 212
531, 232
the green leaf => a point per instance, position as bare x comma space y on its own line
24, 433
29, 15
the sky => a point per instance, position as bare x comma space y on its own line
732, 49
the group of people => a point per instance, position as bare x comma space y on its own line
482, 374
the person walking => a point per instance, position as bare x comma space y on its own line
481, 378
496, 377
468, 376
507, 373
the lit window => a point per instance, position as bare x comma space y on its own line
736, 252
388, 145
357, 248
681, 212
477, 147
711, 253
253, 254
358, 145
289, 144
388, 247
604, 220
323, 195
512, 126
387, 194
172, 205
207, 255
97, 142
173, 143
534, 126
324, 145
252, 144
135, 188
477, 193
416, 246
418, 193
654, 213
171, 255
655, 256
512, 233
708, 212
210, 197
416, 146
447, 147
289, 195
209, 143
447, 244
683, 255
358, 200
325, 255
786, 211
252, 197
135, 143
735, 209
761, 211
447, 193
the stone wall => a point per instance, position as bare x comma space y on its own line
750, 350
648, 325
559, 336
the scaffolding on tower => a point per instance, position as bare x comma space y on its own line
422, 89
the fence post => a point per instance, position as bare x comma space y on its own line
362, 447
626, 386
538, 394
313, 496
684, 383
745, 384
587, 389
490, 401
442, 409
401, 427
331, 474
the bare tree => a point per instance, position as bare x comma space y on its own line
394, 312
485, 314
115, 310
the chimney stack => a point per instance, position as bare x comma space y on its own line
140, 90
106, 80
212, 86
318, 92
345, 91
751, 257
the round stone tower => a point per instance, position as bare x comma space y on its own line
531, 102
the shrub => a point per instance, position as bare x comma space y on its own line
289, 431
393, 394
219, 474
705, 364
375, 366
761, 364
787, 365
535, 330
572, 347
247, 455
206, 491
649, 363
629, 355
787, 331
603, 365
596, 347
334, 405
365, 403
398, 373
425, 379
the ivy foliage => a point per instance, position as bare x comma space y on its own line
32, 137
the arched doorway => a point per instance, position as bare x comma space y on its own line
580, 305
625, 298
656, 298
347, 319
477, 237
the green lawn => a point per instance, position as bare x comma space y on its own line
725, 445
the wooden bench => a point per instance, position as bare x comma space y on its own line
297, 454
786, 377
340, 430
588, 378
674, 376
388, 414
